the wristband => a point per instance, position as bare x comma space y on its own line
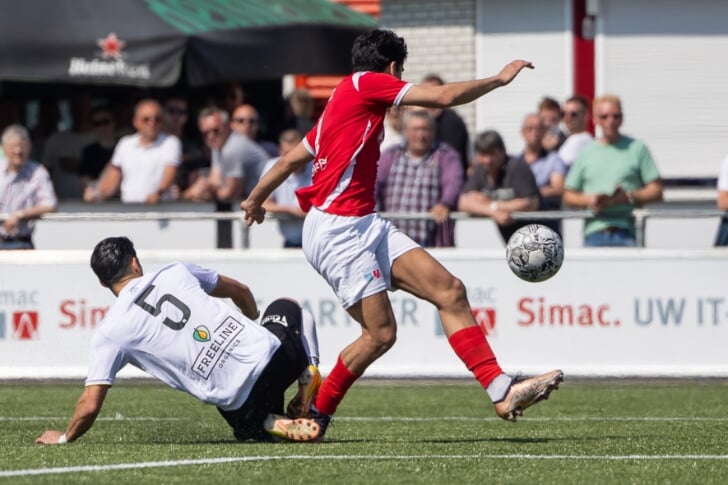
62, 440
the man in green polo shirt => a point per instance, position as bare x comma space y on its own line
611, 176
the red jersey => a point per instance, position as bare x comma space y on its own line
345, 144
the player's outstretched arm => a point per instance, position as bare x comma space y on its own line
253, 205
87, 408
454, 94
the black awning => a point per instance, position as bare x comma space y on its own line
146, 42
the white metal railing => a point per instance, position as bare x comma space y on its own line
640, 216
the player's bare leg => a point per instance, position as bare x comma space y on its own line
378, 332
417, 272
379, 329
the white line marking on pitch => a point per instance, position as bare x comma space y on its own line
233, 459
566, 419
66, 418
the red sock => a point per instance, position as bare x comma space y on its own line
334, 388
473, 349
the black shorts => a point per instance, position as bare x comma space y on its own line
283, 319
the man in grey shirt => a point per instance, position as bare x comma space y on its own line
236, 160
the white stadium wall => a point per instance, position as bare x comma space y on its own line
606, 313
658, 55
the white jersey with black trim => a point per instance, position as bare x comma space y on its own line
166, 324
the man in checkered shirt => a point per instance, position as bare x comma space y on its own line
26, 190
423, 175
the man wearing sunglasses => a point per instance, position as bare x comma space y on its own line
144, 164
246, 121
231, 153
96, 155
611, 176
576, 115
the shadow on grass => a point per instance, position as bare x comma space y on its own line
443, 440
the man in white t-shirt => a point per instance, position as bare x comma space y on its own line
168, 324
144, 165
576, 114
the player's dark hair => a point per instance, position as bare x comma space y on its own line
489, 140
374, 50
111, 259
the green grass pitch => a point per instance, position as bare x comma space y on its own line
386, 432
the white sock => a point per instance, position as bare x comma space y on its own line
498, 388
308, 335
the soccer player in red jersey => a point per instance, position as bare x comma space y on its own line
362, 255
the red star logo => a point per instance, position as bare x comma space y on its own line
111, 46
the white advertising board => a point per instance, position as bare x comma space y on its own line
606, 313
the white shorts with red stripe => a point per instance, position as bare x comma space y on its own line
353, 254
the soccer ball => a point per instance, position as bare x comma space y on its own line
535, 253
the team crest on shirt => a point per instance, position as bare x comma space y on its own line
201, 334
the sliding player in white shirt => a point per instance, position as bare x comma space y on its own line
168, 324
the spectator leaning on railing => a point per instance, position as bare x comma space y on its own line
144, 164
26, 191
423, 175
283, 199
611, 176
498, 185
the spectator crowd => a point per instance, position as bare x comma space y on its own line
162, 150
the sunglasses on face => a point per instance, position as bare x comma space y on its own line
150, 119
616, 116
211, 131
242, 121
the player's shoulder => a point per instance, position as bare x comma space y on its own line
362, 81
